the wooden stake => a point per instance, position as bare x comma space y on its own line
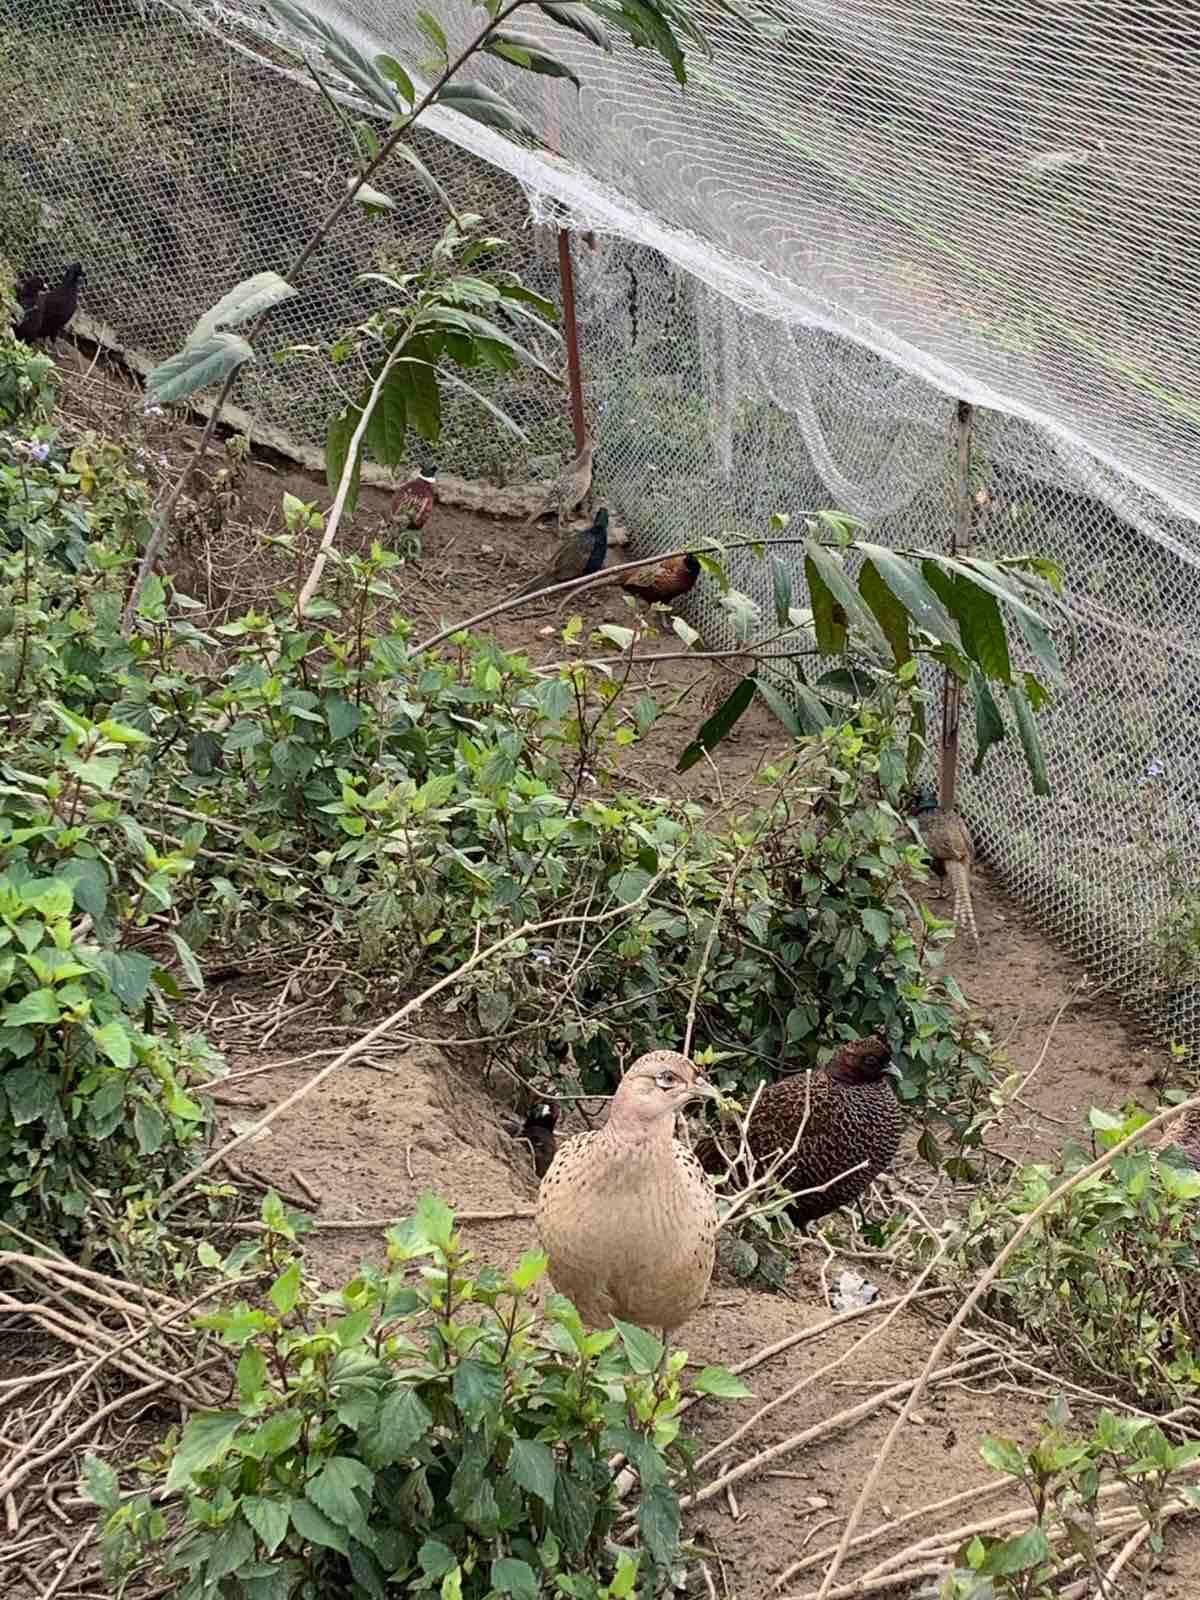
960, 536
566, 273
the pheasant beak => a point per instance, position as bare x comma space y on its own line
893, 1071
705, 1091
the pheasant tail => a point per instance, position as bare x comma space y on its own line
960, 878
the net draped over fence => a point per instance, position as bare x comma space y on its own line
787, 276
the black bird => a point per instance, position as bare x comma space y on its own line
579, 555
31, 290
59, 305
538, 1131
671, 579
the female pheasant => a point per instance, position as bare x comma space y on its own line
625, 1214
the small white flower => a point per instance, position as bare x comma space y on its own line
39, 450
1154, 768
150, 409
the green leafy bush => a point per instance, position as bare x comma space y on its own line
425, 1430
97, 1098
1107, 1278
1062, 1474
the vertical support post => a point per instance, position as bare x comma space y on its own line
960, 536
566, 273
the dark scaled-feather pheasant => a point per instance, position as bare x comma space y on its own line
538, 1133
669, 580
951, 853
31, 292
854, 1121
47, 311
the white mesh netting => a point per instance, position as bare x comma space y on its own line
799, 265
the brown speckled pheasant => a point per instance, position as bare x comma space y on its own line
1183, 1136
625, 1214
853, 1117
570, 489
951, 853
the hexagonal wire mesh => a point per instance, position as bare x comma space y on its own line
789, 276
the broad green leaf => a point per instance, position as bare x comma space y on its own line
502, 417
342, 716
251, 1373
433, 31
888, 612
1020, 1554
423, 402
388, 422
833, 574
406, 153
312, 1524
904, 579
529, 1269
658, 1520
268, 1518
510, 1576
531, 1464
718, 725
436, 1559
340, 51
51, 896
100, 1483
389, 68
149, 1128
642, 1348
523, 50
1002, 1454
980, 622
989, 723
806, 716
629, 884
475, 100
579, 19
113, 1039
477, 1389
1031, 740
434, 1220
781, 585
721, 1382
277, 1435
197, 366
204, 1442
829, 619
38, 1006
285, 1291
336, 1488
187, 960
244, 302
401, 1422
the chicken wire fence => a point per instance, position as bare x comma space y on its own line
786, 278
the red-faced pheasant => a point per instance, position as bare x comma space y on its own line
625, 1214
413, 501
951, 854
853, 1122
669, 580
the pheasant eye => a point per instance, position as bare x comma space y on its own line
666, 1080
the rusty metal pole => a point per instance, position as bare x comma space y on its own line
566, 273
960, 537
